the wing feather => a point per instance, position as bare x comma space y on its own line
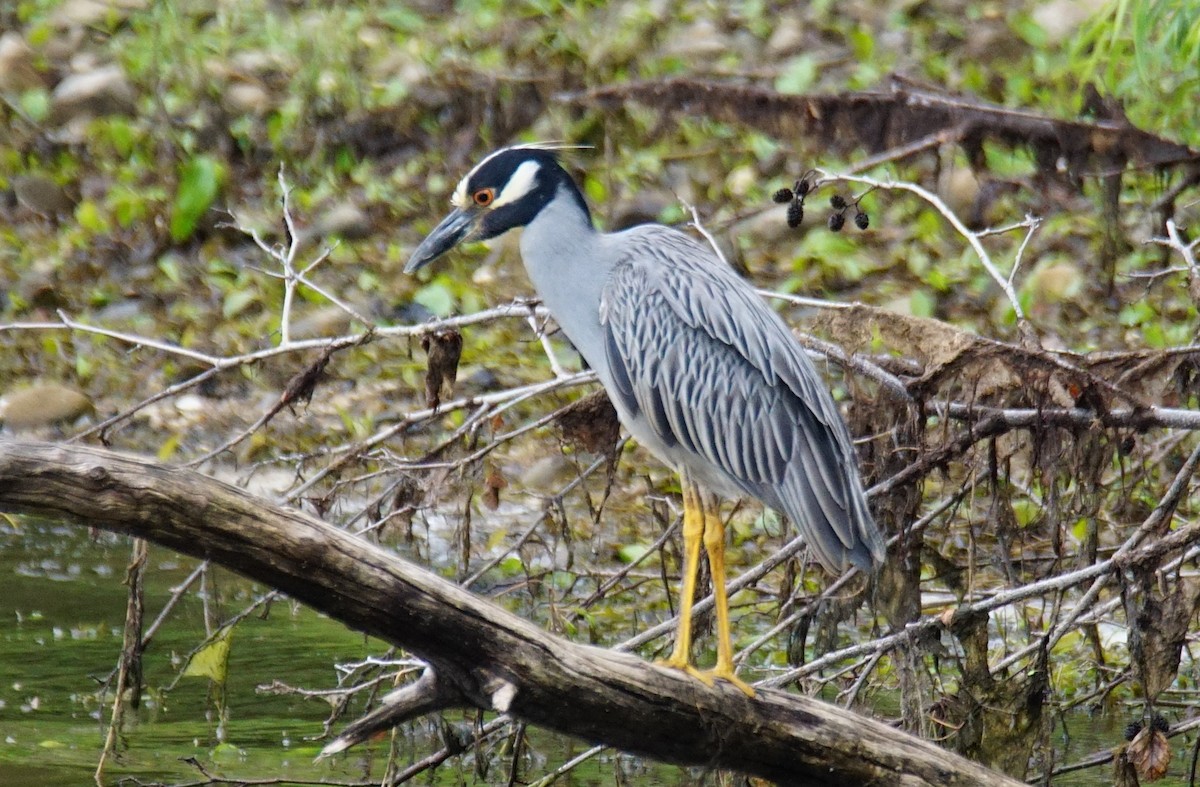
714, 371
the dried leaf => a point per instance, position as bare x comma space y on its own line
591, 424
491, 489
443, 349
932, 342
1150, 754
1160, 627
304, 383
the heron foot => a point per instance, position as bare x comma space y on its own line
682, 664
729, 676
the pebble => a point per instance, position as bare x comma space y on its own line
248, 98
92, 13
17, 72
959, 189
787, 38
42, 405
345, 219
42, 195
1061, 18
101, 91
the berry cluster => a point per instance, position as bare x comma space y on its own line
1158, 724
796, 195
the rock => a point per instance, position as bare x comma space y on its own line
1061, 18
91, 13
740, 180
192, 404
249, 98
1057, 282
765, 227
787, 38
39, 288
17, 72
260, 63
43, 405
64, 46
546, 473
959, 189
102, 91
346, 220
42, 195
323, 321
639, 208
701, 40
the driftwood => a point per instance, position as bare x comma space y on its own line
480, 656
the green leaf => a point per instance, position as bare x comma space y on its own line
200, 182
1079, 529
169, 447
36, 104
798, 75
212, 660
168, 265
237, 301
921, 303
436, 297
628, 553
90, 218
1026, 511
227, 752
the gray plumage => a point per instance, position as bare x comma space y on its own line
702, 372
711, 379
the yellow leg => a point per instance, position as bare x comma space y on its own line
693, 533
714, 544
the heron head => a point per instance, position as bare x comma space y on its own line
505, 190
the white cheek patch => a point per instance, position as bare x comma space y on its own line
460, 198
523, 179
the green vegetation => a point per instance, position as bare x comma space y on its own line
127, 203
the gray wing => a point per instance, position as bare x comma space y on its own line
715, 372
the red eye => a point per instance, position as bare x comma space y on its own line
484, 197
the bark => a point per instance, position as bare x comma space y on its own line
481, 656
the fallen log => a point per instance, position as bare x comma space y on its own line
480, 655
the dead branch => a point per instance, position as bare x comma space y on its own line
899, 117
480, 655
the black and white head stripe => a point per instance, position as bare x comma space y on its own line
511, 172
506, 190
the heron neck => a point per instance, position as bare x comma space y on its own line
566, 263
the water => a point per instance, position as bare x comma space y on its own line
62, 607
61, 616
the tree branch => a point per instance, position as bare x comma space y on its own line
481, 656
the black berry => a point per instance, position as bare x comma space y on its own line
782, 196
837, 201
795, 214
837, 221
861, 220
1159, 724
1132, 729
802, 187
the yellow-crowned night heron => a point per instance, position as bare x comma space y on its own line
701, 371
